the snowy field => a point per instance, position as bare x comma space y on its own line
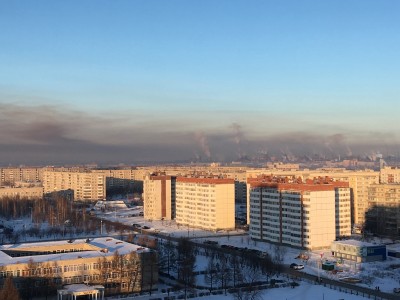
305, 291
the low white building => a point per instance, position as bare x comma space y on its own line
358, 251
45, 267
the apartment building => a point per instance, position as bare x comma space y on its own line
343, 212
159, 197
8, 176
237, 173
383, 215
117, 178
47, 266
359, 182
85, 185
389, 175
309, 214
207, 203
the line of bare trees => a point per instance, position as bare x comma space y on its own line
65, 218
235, 271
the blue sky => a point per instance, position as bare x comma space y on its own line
273, 67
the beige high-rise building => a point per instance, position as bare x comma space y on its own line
236, 173
207, 203
343, 211
159, 197
85, 185
307, 214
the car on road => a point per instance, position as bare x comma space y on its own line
210, 242
146, 227
296, 266
396, 290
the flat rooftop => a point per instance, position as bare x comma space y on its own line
357, 243
65, 250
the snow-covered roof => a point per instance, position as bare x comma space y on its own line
356, 243
109, 204
63, 250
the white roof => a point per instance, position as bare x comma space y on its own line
356, 243
96, 244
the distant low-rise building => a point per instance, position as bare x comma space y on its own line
22, 192
358, 251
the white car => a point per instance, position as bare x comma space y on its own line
296, 266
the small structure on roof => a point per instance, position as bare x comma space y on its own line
72, 291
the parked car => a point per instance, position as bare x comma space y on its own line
210, 242
146, 227
396, 290
296, 266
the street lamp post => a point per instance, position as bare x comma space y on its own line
101, 227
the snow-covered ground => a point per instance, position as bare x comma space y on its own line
305, 291
384, 274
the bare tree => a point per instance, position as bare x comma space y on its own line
279, 253
210, 277
132, 269
224, 274
167, 255
9, 291
186, 263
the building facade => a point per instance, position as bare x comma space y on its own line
389, 175
207, 203
359, 182
22, 192
159, 197
47, 266
302, 214
85, 185
8, 176
358, 251
383, 215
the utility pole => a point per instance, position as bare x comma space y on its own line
101, 227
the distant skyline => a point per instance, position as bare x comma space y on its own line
132, 81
